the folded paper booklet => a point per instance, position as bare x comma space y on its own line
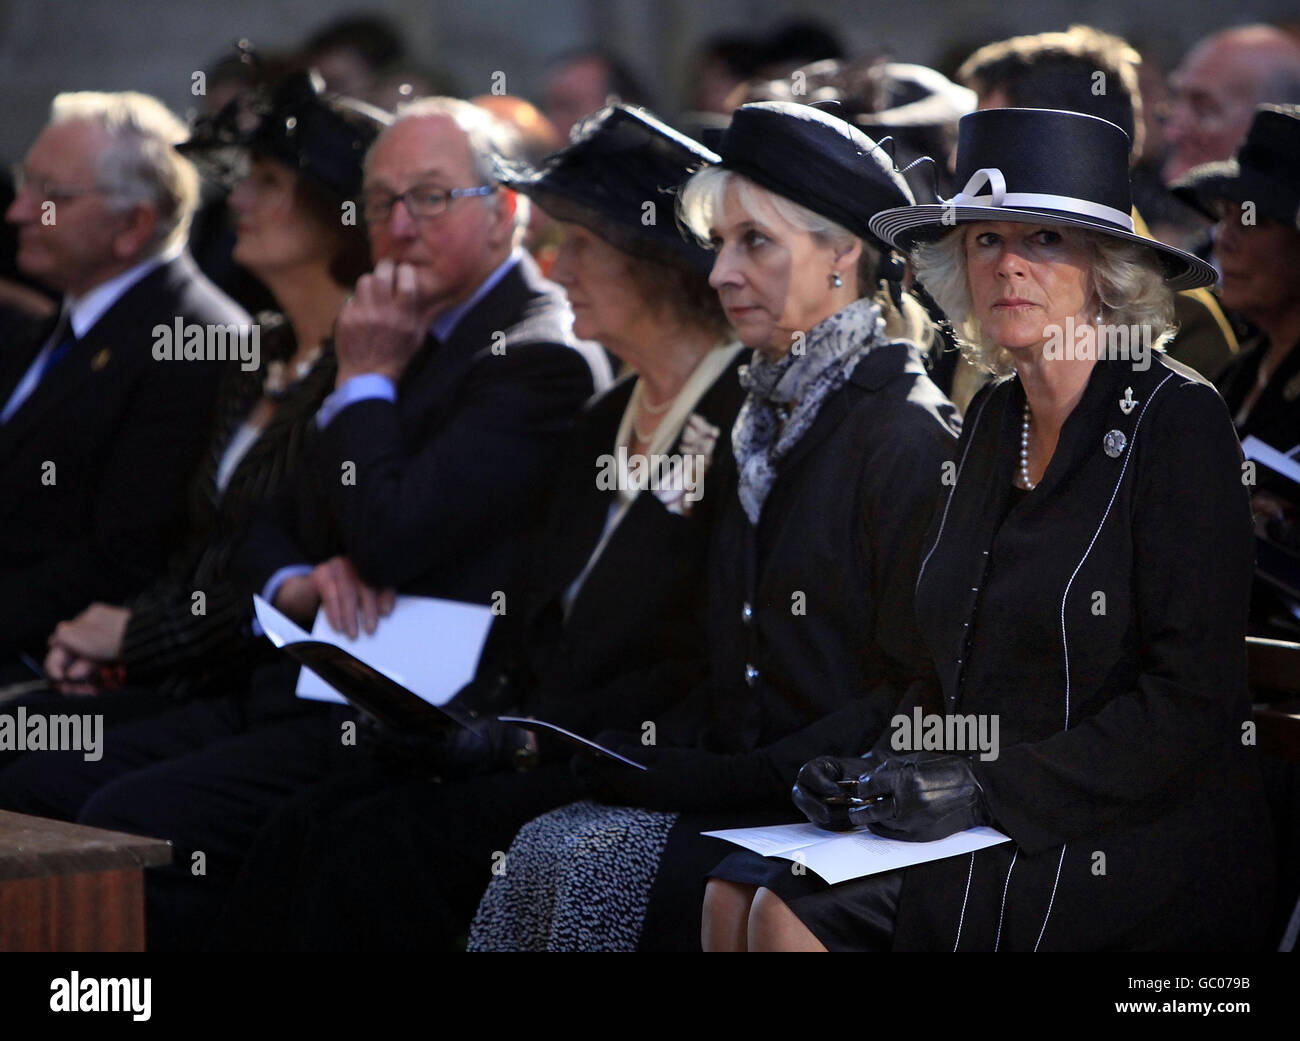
434, 640
346, 677
837, 856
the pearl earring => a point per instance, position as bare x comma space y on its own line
836, 281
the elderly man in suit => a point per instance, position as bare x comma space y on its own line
97, 436
458, 381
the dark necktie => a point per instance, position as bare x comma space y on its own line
64, 339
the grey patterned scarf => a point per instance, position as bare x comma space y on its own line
786, 395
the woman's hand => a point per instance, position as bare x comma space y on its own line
81, 648
826, 785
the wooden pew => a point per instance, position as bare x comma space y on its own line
66, 887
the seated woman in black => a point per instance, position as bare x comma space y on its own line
1084, 587
841, 449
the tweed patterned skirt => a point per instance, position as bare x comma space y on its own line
575, 879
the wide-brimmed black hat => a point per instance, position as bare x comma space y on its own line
1040, 166
323, 137
815, 159
618, 161
1265, 170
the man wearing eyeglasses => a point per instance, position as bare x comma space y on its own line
97, 438
457, 376
458, 381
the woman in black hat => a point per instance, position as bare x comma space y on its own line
1255, 197
1083, 597
304, 161
840, 449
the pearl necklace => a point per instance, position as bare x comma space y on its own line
643, 406
1024, 451
278, 380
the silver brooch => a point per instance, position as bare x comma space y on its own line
1114, 443
1128, 402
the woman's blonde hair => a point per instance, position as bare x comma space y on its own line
701, 197
1126, 277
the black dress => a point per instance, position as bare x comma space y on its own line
1102, 619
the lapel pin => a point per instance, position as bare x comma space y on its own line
1114, 443
1127, 403
1292, 389
100, 360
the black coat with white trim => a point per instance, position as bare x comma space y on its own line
1102, 618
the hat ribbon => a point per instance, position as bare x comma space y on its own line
999, 196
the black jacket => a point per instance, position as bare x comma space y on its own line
631, 644
1101, 620
124, 433
450, 478
812, 637
1275, 418
168, 641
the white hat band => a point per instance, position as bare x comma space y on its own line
999, 196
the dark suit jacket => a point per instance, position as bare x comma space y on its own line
632, 643
124, 433
1101, 621
167, 643
449, 478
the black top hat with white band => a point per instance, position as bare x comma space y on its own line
1040, 166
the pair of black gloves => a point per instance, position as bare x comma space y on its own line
482, 745
914, 796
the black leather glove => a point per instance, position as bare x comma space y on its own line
920, 797
917, 797
825, 785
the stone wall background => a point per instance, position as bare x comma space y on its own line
155, 45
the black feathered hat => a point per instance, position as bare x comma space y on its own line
618, 177
323, 137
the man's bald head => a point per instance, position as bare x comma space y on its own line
1217, 87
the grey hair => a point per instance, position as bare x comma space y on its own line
490, 139
1126, 277
701, 197
139, 166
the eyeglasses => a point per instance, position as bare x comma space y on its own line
421, 202
47, 189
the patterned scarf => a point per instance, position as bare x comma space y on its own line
786, 395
